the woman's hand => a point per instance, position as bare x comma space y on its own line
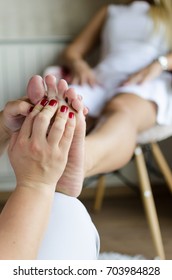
81, 73
145, 75
39, 152
14, 114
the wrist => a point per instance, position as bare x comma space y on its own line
37, 187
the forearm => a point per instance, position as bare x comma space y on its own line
4, 136
72, 55
23, 222
86, 40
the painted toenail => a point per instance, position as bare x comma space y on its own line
31, 109
52, 102
44, 102
63, 109
71, 115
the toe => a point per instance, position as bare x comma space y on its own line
35, 89
70, 95
50, 82
77, 105
62, 87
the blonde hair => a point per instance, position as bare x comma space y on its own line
161, 11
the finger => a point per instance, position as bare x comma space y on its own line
85, 111
58, 126
69, 130
92, 81
75, 80
13, 140
50, 81
18, 107
36, 89
43, 119
70, 95
26, 128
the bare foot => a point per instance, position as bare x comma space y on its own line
71, 181
36, 89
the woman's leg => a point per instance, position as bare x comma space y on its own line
111, 144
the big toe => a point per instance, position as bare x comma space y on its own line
35, 89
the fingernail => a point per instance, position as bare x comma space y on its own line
44, 102
64, 109
52, 102
71, 115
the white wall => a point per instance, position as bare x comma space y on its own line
37, 18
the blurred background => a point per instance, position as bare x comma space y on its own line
32, 35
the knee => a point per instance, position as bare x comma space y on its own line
117, 104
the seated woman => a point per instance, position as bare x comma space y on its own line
129, 90
40, 139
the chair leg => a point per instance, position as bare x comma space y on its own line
100, 190
163, 165
148, 202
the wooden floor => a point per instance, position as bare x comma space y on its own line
123, 227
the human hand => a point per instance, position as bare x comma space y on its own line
15, 111
14, 114
81, 73
39, 152
145, 75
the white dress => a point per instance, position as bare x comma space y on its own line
128, 45
71, 234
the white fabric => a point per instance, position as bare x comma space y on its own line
155, 134
70, 235
128, 45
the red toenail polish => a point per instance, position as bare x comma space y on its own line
64, 109
52, 102
31, 109
71, 115
44, 102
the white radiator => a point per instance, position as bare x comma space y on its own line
19, 60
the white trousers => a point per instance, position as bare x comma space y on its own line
70, 235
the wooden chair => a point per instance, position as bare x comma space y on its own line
150, 137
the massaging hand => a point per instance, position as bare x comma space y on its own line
14, 114
38, 153
81, 73
145, 75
